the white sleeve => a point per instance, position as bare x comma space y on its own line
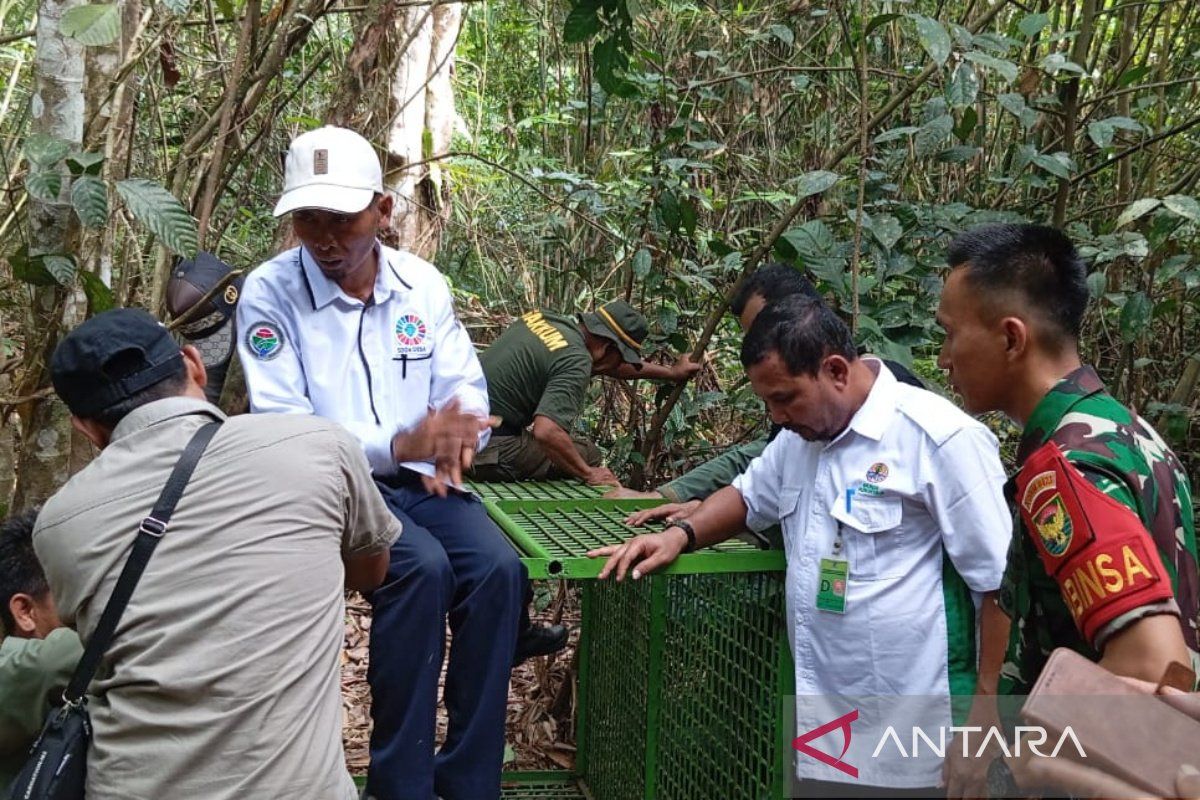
275, 378
760, 485
456, 372
964, 492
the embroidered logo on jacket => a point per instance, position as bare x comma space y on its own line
412, 336
265, 340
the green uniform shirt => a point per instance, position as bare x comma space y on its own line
713, 475
540, 365
1121, 455
33, 675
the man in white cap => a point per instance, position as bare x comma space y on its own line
350, 329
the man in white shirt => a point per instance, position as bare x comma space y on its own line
875, 483
347, 328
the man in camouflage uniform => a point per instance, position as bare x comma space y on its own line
1105, 559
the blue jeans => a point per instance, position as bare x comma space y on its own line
450, 560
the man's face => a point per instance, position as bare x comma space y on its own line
608, 361
342, 244
750, 311
973, 352
805, 404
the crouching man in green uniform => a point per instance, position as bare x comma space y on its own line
1104, 561
537, 377
37, 654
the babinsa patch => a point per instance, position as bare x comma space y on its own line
265, 340
1054, 525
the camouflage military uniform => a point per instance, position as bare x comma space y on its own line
1123, 457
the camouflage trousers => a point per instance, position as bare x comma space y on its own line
521, 458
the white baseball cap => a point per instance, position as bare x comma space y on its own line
331, 168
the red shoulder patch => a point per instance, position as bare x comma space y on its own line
1095, 548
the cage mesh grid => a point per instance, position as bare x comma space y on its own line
616, 697
721, 688
539, 790
536, 490
569, 529
705, 709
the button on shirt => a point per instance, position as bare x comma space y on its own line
924, 479
376, 367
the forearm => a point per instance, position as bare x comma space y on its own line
993, 642
653, 372
712, 476
559, 448
720, 516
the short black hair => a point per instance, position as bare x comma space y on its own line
802, 330
1037, 262
171, 386
772, 282
20, 572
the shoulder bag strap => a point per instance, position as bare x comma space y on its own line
149, 532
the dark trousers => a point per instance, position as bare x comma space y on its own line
450, 560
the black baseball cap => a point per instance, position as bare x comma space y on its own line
111, 357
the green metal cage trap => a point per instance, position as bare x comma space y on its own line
682, 674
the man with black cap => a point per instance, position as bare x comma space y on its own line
223, 680
366, 335
538, 372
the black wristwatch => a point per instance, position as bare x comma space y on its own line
687, 528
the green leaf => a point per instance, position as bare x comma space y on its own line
62, 268
89, 196
959, 154
815, 182
583, 21
896, 133
99, 296
1184, 206
687, 216
877, 20
1132, 76
1135, 316
1101, 132
157, 209
226, 8
30, 269
1058, 62
783, 33
1125, 124
668, 208
1058, 164
1097, 284
1137, 209
1032, 24
933, 133
178, 7
1004, 68
45, 150
641, 263
817, 250
44, 186
933, 38
964, 86
94, 25
85, 163
966, 125
885, 229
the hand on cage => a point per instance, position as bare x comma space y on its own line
670, 512
649, 552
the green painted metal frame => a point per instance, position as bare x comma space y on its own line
567, 562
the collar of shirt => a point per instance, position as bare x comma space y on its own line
875, 414
158, 411
322, 291
1058, 402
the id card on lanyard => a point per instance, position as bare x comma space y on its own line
835, 573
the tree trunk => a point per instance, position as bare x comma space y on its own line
423, 120
58, 110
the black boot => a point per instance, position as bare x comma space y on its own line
539, 640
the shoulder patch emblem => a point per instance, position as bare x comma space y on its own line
878, 472
265, 340
1054, 525
410, 331
1042, 482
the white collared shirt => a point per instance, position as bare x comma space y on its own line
309, 348
925, 479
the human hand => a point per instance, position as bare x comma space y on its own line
446, 436
671, 512
685, 368
649, 551
601, 476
